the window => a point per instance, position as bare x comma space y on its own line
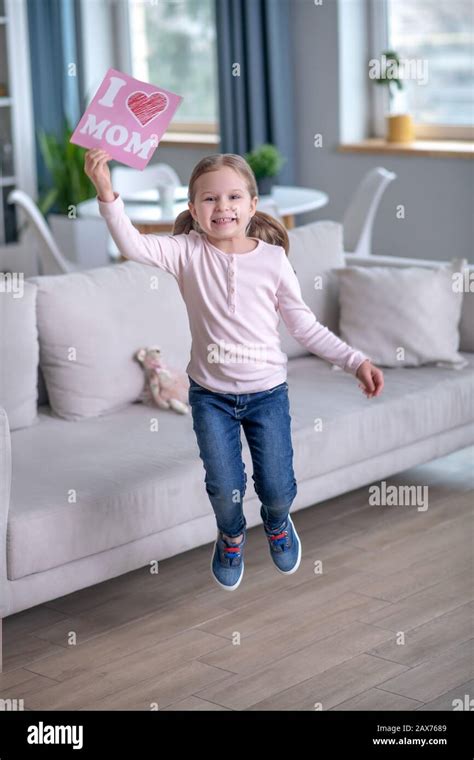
434, 41
173, 44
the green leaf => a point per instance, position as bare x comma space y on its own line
45, 203
265, 160
69, 184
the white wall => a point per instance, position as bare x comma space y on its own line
436, 192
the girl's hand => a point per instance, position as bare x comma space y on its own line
95, 166
371, 378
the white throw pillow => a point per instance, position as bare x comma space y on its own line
315, 249
402, 317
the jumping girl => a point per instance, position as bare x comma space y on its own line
231, 264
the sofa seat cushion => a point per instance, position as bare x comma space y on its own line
79, 488
82, 487
416, 403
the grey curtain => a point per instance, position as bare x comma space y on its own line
53, 30
256, 107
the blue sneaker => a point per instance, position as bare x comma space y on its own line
285, 547
227, 563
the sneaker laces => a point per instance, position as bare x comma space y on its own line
231, 551
278, 539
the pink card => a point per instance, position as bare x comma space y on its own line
127, 118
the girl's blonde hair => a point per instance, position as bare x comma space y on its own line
261, 225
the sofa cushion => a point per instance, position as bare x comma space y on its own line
416, 404
110, 480
79, 489
91, 323
466, 326
19, 354
402, 317
315, 249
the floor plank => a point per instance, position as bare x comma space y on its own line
241, 692
430, 639
376, 699
435, 676
328, 689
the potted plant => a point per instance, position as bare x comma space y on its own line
265, 161
399, 123
80, 240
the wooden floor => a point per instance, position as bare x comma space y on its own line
387, 625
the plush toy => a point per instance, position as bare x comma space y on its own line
168, 389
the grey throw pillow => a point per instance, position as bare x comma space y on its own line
92, 322
403, 317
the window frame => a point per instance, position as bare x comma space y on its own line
124, 56
378, 20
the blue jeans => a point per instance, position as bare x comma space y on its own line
265, 418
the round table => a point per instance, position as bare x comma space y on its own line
146, 214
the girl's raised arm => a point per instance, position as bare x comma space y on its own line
168, 252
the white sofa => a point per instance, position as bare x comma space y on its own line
91, 497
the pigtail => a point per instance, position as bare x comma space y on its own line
267, 228
184, 223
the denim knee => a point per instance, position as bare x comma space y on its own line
225, 490
279, 499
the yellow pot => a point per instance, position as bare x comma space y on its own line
400, 128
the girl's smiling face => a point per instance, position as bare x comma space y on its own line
222, 204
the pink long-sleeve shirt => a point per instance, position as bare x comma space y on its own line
234, 303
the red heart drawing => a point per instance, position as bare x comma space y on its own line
145, 107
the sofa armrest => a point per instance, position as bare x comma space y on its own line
466, 324
5, 487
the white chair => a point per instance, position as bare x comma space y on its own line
127, 181
359, 217
51, 260
270, 207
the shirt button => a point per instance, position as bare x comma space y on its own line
232, 290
